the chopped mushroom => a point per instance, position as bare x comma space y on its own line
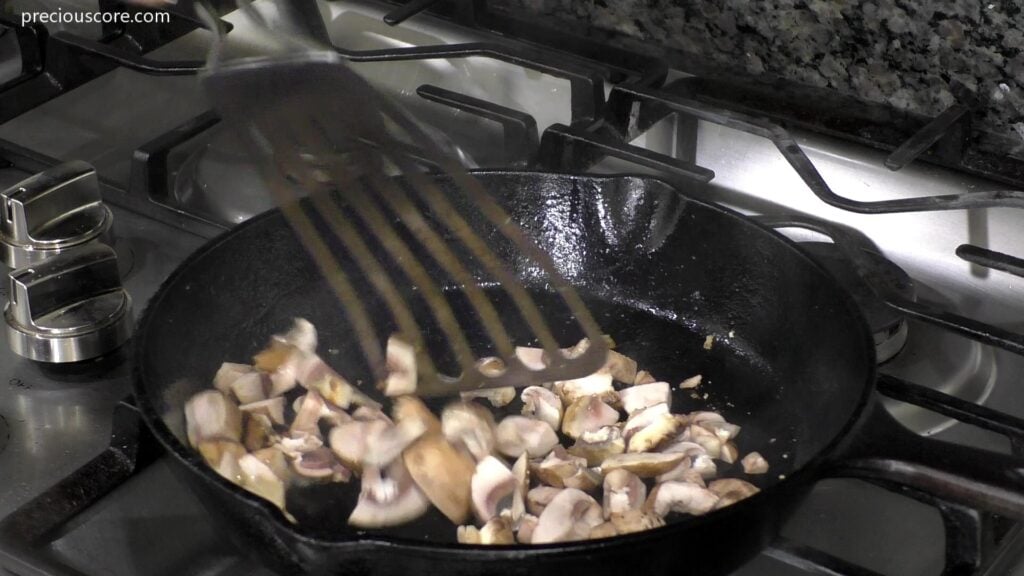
644, 418
729, 453
711, 443
538, 498
645, 465
296, 443
443, 473
493, 485
275, 459
318, 465
623, 491
259, 479
400, 360
527, 524
517, 435
542, 404
471, 426
681, 497
348, 441
249, 387
691, 382
307, 417
637, 398
388, 498
223, 456
754, 463
369, 414
649, 437
571, 515
644, 377
521, 471
317, 375
724, 430
497, 530
388, 442
684, 472
210, 414
228, 373
622, 368
603, 530
597, 384
724, 486
272, 408
498, 397
558, 466
598, 445
587, 414
636, 521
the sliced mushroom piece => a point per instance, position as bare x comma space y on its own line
492, 486
228, 373
517, 435
316, 465
705, 466
725, 431
527, 524
307, 416
386, 443
302, 336
467, 534
258, 433
316, 375
644, 377
597, 384
223, 456
598, 445
643, 418
586, 479
250, 387
684, 472
333, 415
623, 491
622, 368
732, 492
259, 479
497, 397
754, 463
369, 414
276, 460
729, 453
469, 425
542, 404
521, 471
538, 498
651, 436
210, 414
348, 441
274, 356
587, 414
388, 497
272, 408
496, 531
558, 466
636, 398
680, 497
295, 443
571, 515
691, 382
400, 360
532, 358
636, 521
702, 417
604, 530
442, 472
683, 446
644, 465
698, 434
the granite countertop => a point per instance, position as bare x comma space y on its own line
909, 54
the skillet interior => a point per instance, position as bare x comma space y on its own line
791, 361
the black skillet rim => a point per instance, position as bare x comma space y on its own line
806, 474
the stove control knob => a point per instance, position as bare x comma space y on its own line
48, 213
68, 308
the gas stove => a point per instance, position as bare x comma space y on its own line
84, 491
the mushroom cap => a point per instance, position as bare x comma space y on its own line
210, 414
571, 515
516, 435
388, 497
636, 398
542, 404
644, 465
587, 414
492, 484
469, 425
680, 497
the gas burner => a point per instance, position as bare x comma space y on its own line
888, 326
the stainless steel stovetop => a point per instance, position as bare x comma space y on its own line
53, 419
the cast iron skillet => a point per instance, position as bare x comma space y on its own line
792, 362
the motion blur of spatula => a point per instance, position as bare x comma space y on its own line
320, 126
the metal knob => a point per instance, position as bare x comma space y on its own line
68, 308
51, 212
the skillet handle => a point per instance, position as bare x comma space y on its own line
881, 449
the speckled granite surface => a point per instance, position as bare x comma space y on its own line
906, 53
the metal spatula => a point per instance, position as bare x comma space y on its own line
321, 127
